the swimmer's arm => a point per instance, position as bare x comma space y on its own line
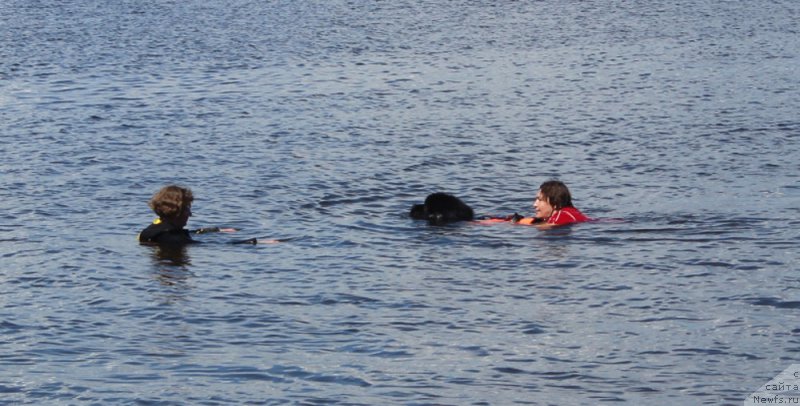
255, 241
214, 230
528, 221
511, 217
252, 241
515, 218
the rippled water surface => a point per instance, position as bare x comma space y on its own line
322, 122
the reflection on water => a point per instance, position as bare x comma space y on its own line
172, 270
173, 255
557, 244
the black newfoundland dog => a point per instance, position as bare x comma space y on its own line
442, 208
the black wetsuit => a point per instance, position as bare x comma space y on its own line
162, 232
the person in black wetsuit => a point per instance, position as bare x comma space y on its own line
173, 205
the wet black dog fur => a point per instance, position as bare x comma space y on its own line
442, 208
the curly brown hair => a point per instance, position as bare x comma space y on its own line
171, 201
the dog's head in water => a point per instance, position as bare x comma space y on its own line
442, 208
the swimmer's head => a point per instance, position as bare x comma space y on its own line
556, 194
172, 202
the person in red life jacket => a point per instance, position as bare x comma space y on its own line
173, 205
554, 207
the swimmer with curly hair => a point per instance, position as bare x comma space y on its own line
173, 206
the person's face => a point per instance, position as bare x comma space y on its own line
542, 206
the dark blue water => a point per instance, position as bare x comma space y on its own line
322, 122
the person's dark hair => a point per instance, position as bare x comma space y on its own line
171, 201
557, 194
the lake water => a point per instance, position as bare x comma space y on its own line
322, 122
